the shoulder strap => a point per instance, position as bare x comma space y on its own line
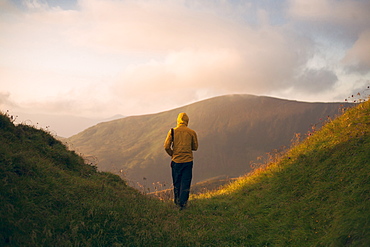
172, 135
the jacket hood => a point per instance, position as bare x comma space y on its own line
182, 118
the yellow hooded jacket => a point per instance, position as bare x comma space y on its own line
185, 141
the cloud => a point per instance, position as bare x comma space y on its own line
348, 14
155, 25
314, 81
32, 4
194, 51
5, 101
358, 57
92, 100
340, 32
187, 51
135, 57
254, 67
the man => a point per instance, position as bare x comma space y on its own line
180, 144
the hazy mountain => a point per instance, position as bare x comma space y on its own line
232, 131
61, 125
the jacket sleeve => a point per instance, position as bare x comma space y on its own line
194, 144
167, 144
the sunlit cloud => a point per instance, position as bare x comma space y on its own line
358, 57
348, 14
137, 57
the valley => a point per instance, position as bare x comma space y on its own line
233, 131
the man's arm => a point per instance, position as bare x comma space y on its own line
167, 144
194, 145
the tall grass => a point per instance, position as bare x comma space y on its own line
50, 197
317, 194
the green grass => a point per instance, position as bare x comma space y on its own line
49, 197
316, 194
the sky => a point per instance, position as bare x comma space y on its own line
98, 58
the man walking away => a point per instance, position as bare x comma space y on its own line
180, 144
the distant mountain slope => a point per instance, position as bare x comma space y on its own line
232, 131
62, 125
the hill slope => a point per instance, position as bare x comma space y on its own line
49, 197
318, 194
315, 195
232, 131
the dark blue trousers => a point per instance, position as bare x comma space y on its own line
181, 175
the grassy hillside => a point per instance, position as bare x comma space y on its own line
49, 197
232, 130
317, 194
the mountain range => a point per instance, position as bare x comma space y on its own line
61, 125
233, 130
